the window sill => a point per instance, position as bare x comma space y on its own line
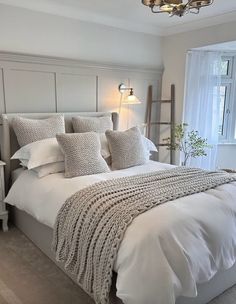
227, 144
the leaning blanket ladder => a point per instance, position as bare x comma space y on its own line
150, 124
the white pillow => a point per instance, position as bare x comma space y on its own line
49, 169
148, 144
39, 153
104, 146
24, 163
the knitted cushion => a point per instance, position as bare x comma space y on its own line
31, 130
82, 154
127, 148
92, 124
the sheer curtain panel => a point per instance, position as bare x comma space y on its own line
202, 102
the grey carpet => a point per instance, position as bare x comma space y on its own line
27, 276
30, 277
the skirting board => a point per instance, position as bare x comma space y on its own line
41, 236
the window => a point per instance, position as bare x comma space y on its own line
223, 94
227, 123
225, 67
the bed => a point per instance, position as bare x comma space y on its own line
37, 225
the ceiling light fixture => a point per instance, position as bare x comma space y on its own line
176, 7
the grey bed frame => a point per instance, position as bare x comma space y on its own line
41, 235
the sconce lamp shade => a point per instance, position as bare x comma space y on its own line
130, 99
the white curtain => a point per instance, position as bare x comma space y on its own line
202, 102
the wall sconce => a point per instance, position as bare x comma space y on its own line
129, 99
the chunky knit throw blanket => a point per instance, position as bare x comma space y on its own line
91, 224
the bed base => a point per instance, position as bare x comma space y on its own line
41, 236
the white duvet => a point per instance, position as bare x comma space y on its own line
165, 251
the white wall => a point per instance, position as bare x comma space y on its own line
175, 48
124, 56
227, 156
38, 33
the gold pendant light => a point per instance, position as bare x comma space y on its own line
176, 7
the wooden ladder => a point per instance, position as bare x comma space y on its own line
158, 123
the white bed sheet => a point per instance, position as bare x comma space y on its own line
165, 251
43, 197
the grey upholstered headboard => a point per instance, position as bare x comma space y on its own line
9, 144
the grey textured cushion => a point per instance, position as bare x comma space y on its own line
92, 124
31, 130
82, 154
127, 149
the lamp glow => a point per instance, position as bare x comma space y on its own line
131, 98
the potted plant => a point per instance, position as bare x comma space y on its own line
189, 143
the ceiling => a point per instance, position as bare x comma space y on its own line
131, 14
226, 46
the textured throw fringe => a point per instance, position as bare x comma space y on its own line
91, 224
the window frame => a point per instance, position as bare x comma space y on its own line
230, 67
229, 123
224, 136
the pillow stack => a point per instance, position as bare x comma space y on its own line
111, 152
43, 157
46, 149
40, 151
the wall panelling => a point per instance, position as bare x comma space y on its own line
46, 84
76, 92
29, 90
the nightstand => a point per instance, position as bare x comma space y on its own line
3, 211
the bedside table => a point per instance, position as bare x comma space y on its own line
3, 211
